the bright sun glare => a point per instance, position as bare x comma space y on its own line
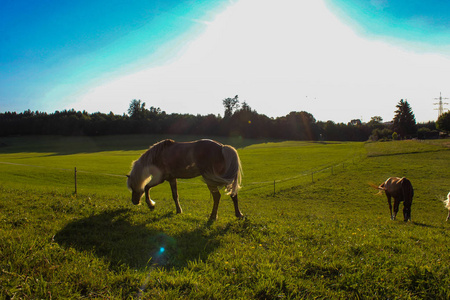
281, 57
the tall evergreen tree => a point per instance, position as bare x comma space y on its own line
404, 122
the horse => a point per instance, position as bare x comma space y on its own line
401, 189
447, 205
218, 164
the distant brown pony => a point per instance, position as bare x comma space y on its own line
401, 189
218, 164
447, 205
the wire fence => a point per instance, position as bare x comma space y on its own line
270, 186
305, 177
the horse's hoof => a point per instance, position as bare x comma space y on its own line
150, 204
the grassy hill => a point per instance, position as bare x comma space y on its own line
323, 234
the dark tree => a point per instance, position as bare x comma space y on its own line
298, 126
375, 121
404, 122
443, 122
355, 122
231, 105
136, 109
246, 107
241, 120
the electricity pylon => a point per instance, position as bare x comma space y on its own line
440, 109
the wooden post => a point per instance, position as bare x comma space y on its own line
75, 181
274, 188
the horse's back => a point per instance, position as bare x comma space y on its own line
392, 185
208, 155
398, 186
192, 158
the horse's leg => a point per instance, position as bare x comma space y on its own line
216, 196
396, 204
237, 212
148, 186
150, 202
390, 205
407, 211
173, 186
448, 217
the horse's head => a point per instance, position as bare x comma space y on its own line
136, 193
142, 172
136, 197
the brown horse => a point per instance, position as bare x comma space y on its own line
401, 189
218, 164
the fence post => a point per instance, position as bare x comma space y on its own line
75, 181
274, 188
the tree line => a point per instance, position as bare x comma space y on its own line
239, 119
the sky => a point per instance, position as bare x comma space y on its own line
336, 59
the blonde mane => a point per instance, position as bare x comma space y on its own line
140, 173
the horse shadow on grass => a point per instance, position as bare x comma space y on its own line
423, 225
110, 235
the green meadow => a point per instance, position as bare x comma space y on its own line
313, 227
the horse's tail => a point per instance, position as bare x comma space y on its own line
380, 188
408, 191
233, 170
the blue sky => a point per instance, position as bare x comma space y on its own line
51, 47
411, 21
337, 59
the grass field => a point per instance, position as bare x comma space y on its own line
323, 234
